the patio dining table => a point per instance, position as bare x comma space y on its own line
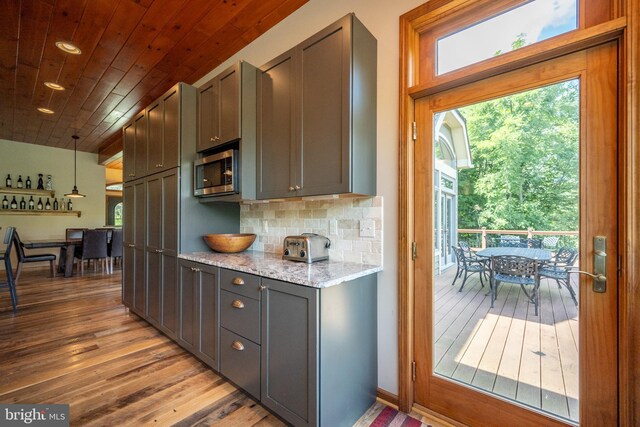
532, 253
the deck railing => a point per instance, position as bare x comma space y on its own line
530, 233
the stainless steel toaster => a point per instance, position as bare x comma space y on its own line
308, 247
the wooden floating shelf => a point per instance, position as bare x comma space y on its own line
39, 213
27, 192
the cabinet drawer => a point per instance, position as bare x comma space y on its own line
240, 283
241, 315
240, 361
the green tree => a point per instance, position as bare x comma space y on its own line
525, 154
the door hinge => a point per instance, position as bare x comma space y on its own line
415, 131
413, 370
414, 251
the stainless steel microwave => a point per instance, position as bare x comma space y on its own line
216, 174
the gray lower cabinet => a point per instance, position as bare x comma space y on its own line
198, 325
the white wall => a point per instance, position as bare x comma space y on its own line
381, 17
17, 158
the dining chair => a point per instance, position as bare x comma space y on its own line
74, 233
115, 247
93, 247
559, 267
23, 258
517, 270
10, 283
468, 266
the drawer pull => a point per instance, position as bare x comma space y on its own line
237, 304
238, 281
237, 345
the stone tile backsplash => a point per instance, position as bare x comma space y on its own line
345, 221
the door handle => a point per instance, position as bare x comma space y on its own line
599, 265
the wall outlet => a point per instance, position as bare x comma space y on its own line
367, 228
333, 227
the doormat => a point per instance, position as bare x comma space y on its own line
389, 417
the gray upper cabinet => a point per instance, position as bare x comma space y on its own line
163, 132
316, 126
152, 140
135, 147
221, 101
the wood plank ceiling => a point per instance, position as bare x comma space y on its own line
132, 52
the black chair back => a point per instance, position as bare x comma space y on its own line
19, 247
116, 243
94, 244
9, 241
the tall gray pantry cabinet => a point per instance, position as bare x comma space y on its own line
161, 216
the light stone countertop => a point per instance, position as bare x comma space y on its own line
321, 274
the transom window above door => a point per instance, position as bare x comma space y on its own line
515, 28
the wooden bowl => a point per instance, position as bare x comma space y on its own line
229, 243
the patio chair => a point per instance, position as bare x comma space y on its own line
517, 270
531, 243
550, 242
468, 252
509, 242
468, 266
558, 269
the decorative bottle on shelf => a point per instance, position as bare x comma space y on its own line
69, 205
47, 206
56, 206
5, 203
32, 204
49, 184
14, 203
23, 204
40, 182
39, 206
19, 183
28, 183
7, 182
63, 205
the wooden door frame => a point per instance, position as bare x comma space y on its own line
600, 21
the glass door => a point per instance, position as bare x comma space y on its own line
542, 146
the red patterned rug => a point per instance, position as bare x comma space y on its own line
389, 417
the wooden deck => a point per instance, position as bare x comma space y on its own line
507, 350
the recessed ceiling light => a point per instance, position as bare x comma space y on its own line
54, 86
45, 110
69, 48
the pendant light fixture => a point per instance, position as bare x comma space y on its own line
75, 192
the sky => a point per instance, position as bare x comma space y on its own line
539, 20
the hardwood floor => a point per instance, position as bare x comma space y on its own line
73, 342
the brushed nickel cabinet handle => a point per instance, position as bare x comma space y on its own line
262, 287
297, 187
159, 251
238, 281
131, 245
237, 345
291, 188
237, 304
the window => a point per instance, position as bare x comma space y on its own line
533, 22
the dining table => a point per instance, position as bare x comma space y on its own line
532, 253
64, 265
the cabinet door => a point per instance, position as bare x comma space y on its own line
128, 275
170, 295
153, 245
129, 151
188, 334
141, 145
229, 106
140, 285
289, 351
169, 204
208, 120
171, 130
208, 315
325, 82
154, 137
276, 128
128, 265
